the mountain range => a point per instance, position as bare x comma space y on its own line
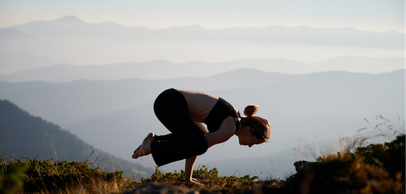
116, 115
27, 137
99, 82
163, 69
70, 40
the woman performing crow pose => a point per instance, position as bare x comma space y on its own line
182, 112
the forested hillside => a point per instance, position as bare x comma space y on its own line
25, 136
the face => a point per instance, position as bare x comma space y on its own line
247, 139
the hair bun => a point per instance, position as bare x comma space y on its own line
250, 110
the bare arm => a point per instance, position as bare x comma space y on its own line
227, 129
190, 162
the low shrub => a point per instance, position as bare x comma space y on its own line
36, 175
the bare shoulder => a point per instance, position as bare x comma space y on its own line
229, 126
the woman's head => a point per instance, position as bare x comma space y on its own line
257, 126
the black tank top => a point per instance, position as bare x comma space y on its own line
221, 111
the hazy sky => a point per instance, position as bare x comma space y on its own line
371, 15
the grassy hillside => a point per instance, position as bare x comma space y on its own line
377, 168
26, 137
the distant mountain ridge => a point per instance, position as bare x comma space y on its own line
120, 112
13, 33
25, 136
132, 92
69, 40
162, 69
70, 18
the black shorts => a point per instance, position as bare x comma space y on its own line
186, 138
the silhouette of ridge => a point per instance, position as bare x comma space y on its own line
70, 18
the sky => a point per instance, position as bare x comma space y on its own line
368, 15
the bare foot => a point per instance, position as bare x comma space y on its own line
137, 149
145, 148
151, 136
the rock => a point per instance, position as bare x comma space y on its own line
160, 188
268, 189
302, 166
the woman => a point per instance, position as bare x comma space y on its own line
183, 112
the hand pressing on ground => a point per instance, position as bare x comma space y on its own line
197, 182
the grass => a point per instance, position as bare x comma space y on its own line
355, 168
46, 176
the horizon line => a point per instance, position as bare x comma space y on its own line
202, 26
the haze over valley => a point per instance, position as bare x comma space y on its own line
99, 82
301, 108
72, 41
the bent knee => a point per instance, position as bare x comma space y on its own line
201, 147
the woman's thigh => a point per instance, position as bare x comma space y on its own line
172, 110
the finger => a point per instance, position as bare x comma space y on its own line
198, 180
198, 184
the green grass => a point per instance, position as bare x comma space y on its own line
376, 168
46, 176
356, 168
